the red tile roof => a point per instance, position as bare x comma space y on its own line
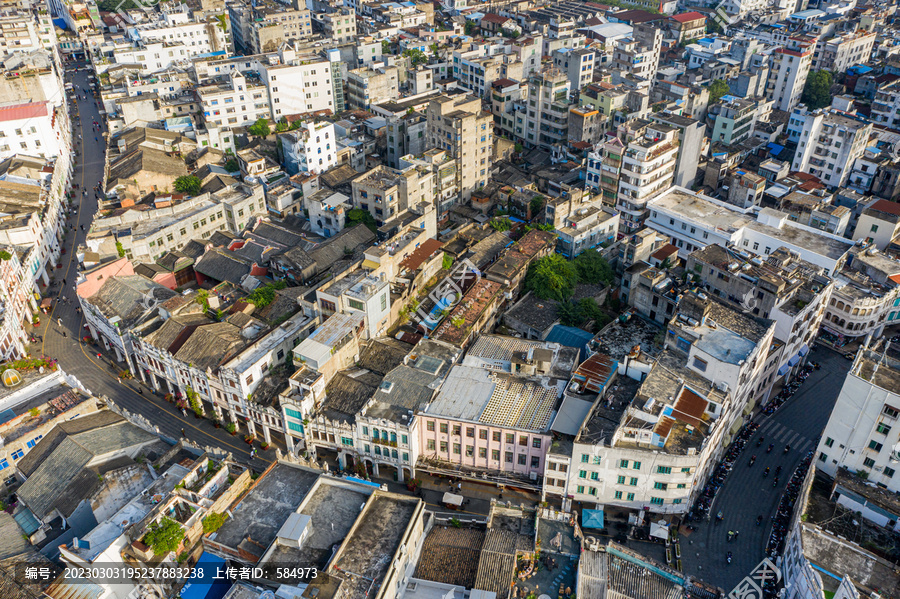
492, 18
501, 83
425, 250
887, 207
17, 112
688, 16
664, 252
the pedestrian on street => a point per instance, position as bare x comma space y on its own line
140, 390
64, 334
64, 282
184, 412
59, 321
459, 487
183, 434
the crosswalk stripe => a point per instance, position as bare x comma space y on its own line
794, 438
766, 427
805, 447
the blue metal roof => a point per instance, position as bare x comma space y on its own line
592, 519
203, 583
571, 337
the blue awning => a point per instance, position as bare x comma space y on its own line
783, 370
803, 350
592, 519
203, 583
793, 361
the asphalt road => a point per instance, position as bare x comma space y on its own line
63, 342
746, 494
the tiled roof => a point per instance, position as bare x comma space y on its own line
688, 16
17, 112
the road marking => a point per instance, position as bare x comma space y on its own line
795, 438
803, 448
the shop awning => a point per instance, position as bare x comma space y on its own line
803, 350
660, 529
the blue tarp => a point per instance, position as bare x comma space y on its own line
61, 23
774, 148
203, 584
592, 519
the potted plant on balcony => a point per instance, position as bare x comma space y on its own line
264, 446
249, 439
231, 428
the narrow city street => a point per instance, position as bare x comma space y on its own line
747, 494
98, 374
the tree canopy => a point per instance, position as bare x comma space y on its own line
817, 91
717, 89
265, 295
552, 278
188, 184
415, 56
260, 128
164, 537
358, 215
593, 268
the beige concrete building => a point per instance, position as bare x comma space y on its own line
466, 132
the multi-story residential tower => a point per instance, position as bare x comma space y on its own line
546, 118
459, 126
829, 143
790, 68
648, 168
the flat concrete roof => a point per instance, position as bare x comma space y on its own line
262, 512
369, 549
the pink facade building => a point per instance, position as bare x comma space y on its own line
489, 421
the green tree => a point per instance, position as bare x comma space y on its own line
470, 28
356, 216
194, 401
231, 165
188, 184
501, 224
260, 128
385, 47
213, 522
282, 126
589, 310
552, 278
717, 89
593, 268
537, 203
713, 26
265, 295
447, 262
817, 91
164, 536
120, 249
415, 56
569, 314
434, 49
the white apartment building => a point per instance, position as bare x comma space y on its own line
790, 67
647, 170
656, 451
310, 149
636, 58
360, 293
24, 31
148, 234
693, 221
578, 65
863, 433
839, 53
29, 128
235, 102
829, 143
302, 83
886, 105
178, 29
